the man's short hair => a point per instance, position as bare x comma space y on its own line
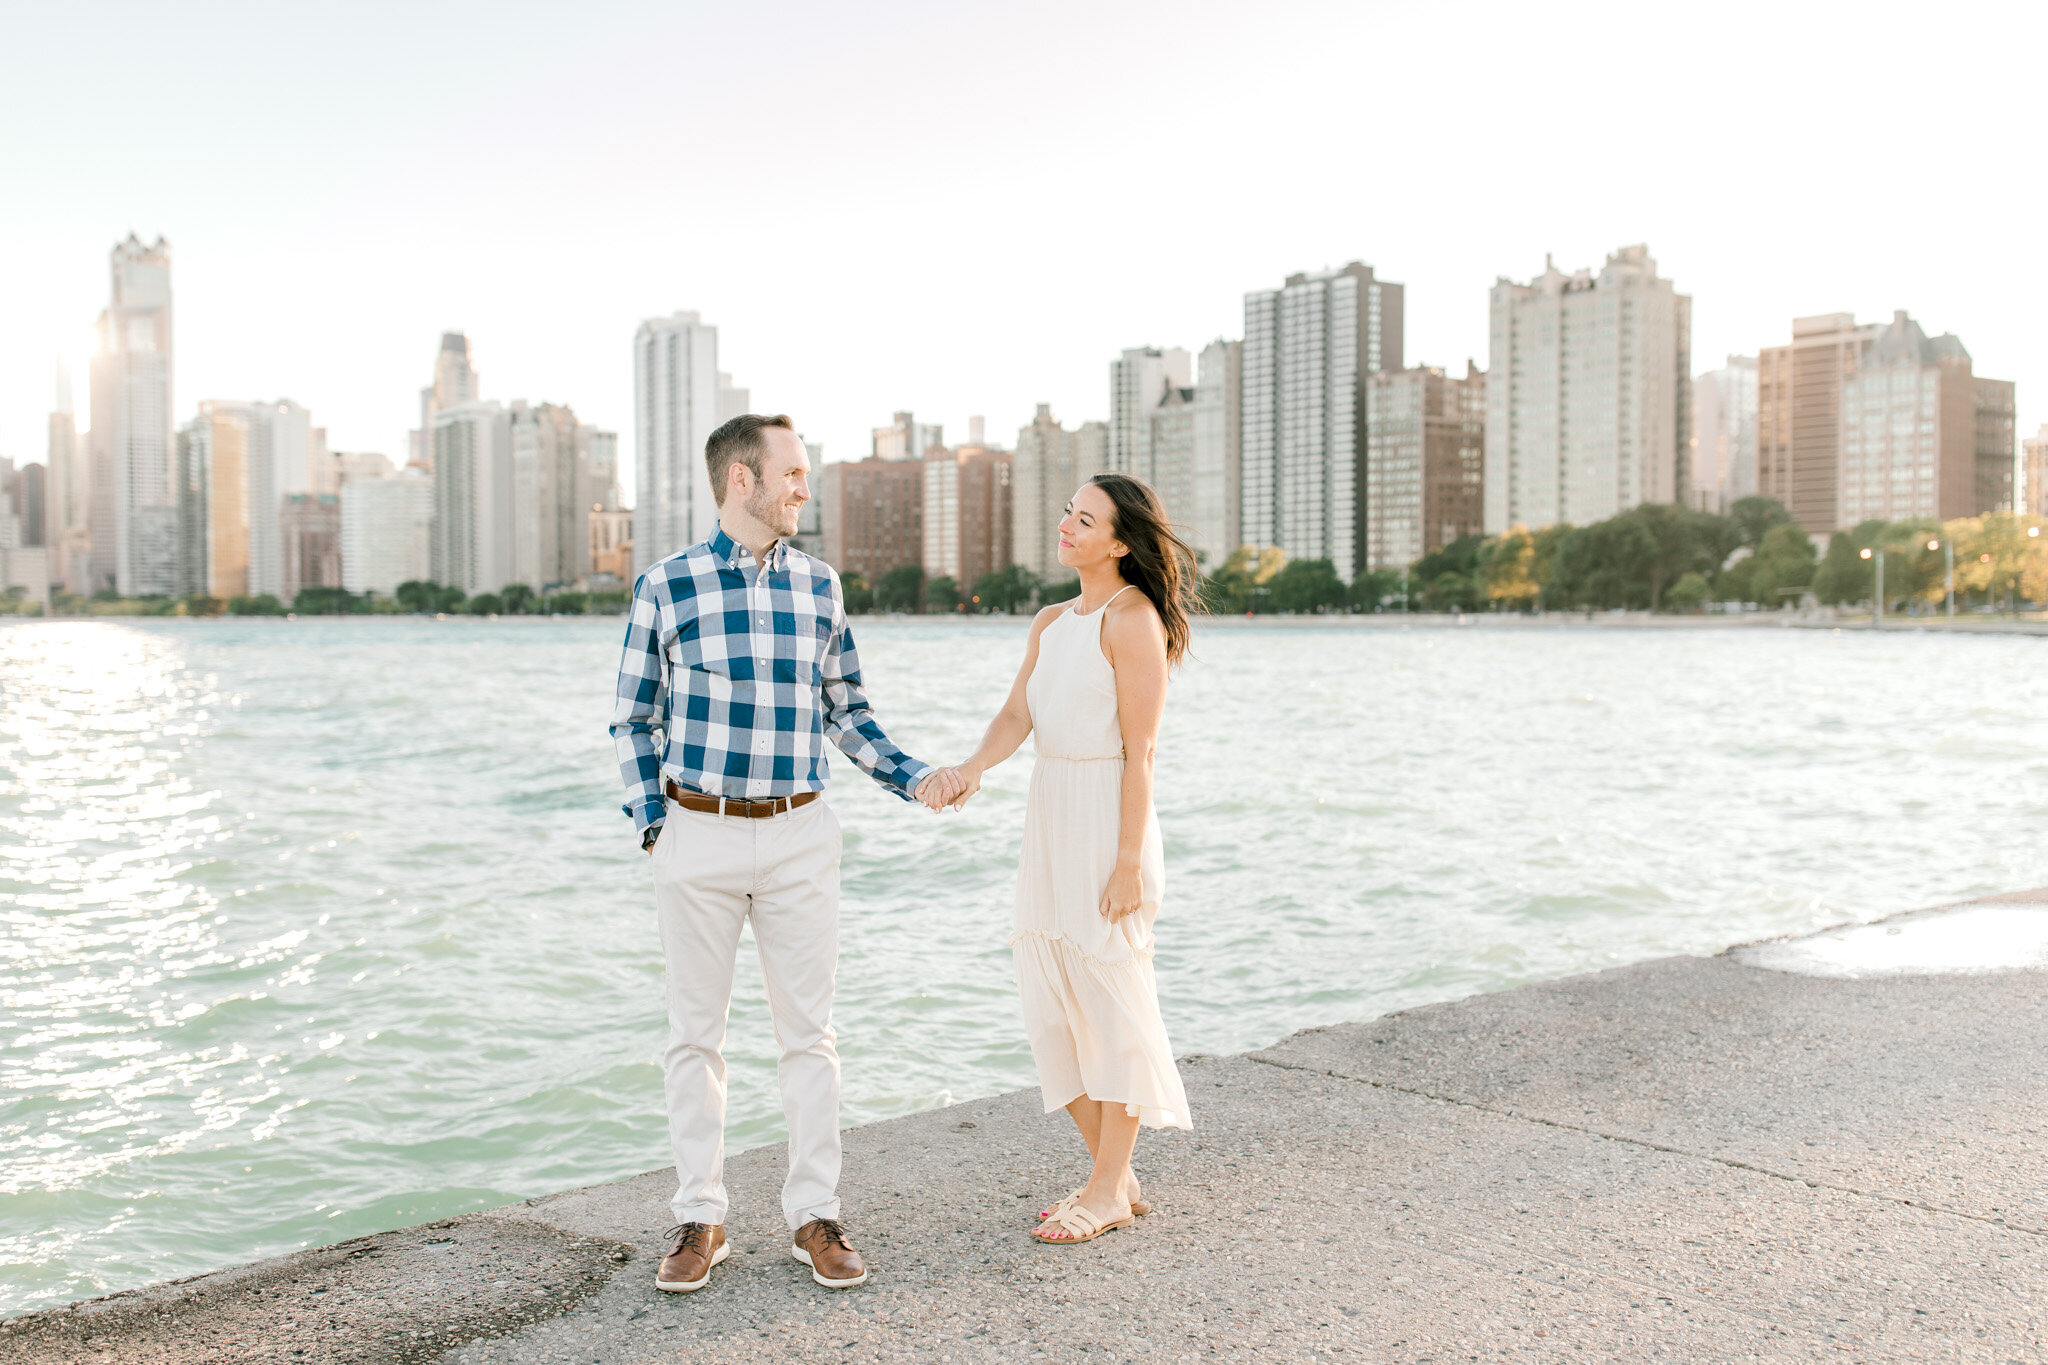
739, 441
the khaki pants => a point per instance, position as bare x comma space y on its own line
711, 874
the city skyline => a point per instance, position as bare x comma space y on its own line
824, 315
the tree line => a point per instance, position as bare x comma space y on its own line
1666, 557
414, 597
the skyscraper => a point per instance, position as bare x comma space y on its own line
906, 438
134, 516
1799, 411
1169, 455
967, 514
873, 515
1909, 430
1043, 475
455, 381
213, 501
2033, 494
1425, 462
1139, 380
279, 463
470, 545
1589, 400
1214, 529
1996, 427
386, 521
1308, 347
675, 410
67, 505
309, 530
1722, 464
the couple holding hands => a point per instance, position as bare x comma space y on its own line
738, 666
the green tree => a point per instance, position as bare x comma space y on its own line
1371, 589
486, 604
942, 594
263, 604
565, 604
1507, 569
1051, 593
427, 597
1754, 516
518, 599
1461, 556
199, 604
1008, 590
1453, 591
1844, 574
900, 589
327, 602
1688, 594
854, 591
1308, 585
1782, 565
609, 603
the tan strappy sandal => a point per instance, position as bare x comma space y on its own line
1079, 1225
1138, 1206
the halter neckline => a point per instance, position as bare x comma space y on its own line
1105, 606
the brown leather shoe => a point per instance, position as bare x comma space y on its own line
693, 1249
821, 1244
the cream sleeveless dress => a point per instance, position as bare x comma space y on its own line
1090, 1005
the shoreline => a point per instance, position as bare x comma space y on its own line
1701, 1155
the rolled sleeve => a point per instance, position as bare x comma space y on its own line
639, 709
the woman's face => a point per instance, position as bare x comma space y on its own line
1087, 534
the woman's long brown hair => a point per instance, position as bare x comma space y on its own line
1159, 564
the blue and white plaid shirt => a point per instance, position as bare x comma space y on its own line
742, 670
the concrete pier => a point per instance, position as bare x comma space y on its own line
1692, 1159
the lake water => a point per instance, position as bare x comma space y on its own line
316, 928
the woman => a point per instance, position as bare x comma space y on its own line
1093, 685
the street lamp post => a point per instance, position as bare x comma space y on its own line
1877, 617
1948, 549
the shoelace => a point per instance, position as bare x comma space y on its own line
829, 1229
685, 1235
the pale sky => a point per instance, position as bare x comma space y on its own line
962, 209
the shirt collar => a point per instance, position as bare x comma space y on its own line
731, 553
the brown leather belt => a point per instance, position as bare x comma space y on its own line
732, 805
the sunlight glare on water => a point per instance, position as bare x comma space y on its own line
315, 928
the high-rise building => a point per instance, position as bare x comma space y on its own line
1043, 475
2033, 494
1589, 399
1996, 426
1798, 415
309, 527
1909, 430
28, 487
611, 546
213, 501
470, 545
455, 381
967, 514
1169, 456
675, 409
24, 568
1139, 381
1722, 463
134, 514
1425, 462
1308, 347
1213, 521
874, 515
554, 490
67, 505
351, 465
732, 400
906, 438
386, 522
279, 462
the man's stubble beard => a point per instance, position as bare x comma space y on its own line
766, 509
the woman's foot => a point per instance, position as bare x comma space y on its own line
1085, 1219
1132, 1195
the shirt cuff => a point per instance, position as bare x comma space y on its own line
911, 774
646, 813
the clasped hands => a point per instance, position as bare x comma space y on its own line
949, 788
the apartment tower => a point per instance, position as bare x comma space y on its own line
675, 409
1425, 462
1309, 347
1589, 400
134, 514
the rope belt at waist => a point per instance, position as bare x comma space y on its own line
732, 805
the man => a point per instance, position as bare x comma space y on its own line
738, 665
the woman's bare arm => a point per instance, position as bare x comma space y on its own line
1135, 642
